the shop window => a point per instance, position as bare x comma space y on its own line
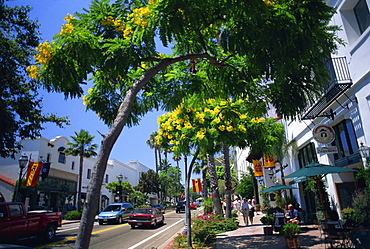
88, 173
307, 155
345, 139
362, 14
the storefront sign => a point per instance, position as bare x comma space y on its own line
327, 150
323, 134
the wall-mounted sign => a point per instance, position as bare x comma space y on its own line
327, 150
323, 134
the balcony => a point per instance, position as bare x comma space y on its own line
339, 83
348, 160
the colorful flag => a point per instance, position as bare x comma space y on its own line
269, 162
33, 173
197, 185
258, 172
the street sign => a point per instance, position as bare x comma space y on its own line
327, 150
323, 134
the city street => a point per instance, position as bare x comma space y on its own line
117, 235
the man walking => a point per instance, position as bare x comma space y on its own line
245, 211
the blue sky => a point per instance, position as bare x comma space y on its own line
131, 144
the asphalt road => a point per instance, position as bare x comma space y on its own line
117, 235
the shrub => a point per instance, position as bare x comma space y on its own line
267, 220
347, 214
205, 228
208, 205
73, 215
291, 229
360, 205
180, 241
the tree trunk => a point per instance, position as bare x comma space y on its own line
204, 181
156, 159
214, 184
227, 178
93, 194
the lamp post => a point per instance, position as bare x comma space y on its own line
119, 188
364, 152
23, 161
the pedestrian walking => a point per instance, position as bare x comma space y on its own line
245, 211
251, 211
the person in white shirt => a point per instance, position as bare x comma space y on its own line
251, 211
237, 205
245, 211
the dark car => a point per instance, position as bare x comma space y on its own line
146, 217
161, 208
180, 206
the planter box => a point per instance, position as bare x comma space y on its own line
268, 230
292, 243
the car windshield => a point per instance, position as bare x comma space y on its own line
143, 211
157, 206
113, 208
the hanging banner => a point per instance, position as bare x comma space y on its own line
33, 173
45, 170
268, 162
197, 185
257, 165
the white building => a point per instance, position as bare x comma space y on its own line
344, 106
59, 189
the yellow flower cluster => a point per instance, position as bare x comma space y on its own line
269, 3
33, 72
67, 28
140, 16
119, 26
44, 55
257, 120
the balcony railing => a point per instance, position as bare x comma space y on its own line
348, 160
339, 83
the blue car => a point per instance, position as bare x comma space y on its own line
115, 213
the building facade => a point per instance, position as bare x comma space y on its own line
58, 191
343, 109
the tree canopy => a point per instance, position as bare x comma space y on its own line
264, 51
20, 105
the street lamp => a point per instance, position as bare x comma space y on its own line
364, 152
23, 161
119, 187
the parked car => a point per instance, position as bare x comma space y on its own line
161, 208
180, 206
115, 212
16, 222
146, 216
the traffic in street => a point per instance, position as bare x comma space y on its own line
117, 235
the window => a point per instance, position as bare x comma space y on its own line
73, 165
62, 155
106, 178
16, 210
48, 158
88, 173
307, 155
345, 139
362, 15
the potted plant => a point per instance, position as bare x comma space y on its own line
268, 221
257, 207
290, 231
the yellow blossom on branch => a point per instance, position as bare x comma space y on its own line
33, 72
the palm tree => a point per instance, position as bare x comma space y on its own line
151, 143
81, 147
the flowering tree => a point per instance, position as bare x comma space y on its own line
235, 49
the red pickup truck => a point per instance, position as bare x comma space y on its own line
16, 222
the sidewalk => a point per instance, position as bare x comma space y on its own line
253, 237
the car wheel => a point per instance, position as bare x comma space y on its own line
120, 221
48, 234
177, 211
101, 222
162, 222
154, 224
132, 226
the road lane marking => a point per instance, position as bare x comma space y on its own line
138, 244
100, 231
